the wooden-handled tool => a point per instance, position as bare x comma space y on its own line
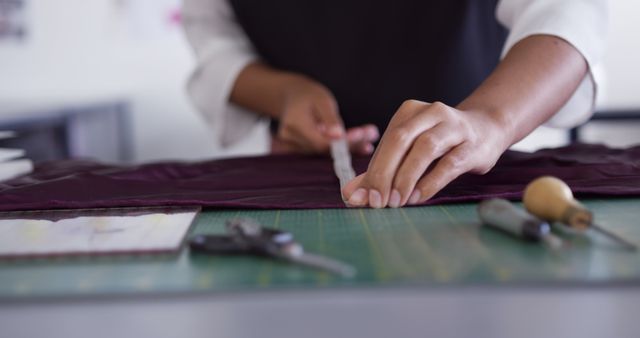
551, 199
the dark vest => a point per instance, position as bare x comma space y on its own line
375, 54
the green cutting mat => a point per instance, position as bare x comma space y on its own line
412, 246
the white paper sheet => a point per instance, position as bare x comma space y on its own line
155, 232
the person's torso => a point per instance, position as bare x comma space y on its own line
374, 54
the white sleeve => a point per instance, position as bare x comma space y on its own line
582, 23
222, 50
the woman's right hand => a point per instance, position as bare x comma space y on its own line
310, 120
307, 111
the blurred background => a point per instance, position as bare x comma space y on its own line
105, 79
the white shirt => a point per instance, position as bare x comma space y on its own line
223, 50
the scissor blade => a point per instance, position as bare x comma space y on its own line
342, 162
324, 263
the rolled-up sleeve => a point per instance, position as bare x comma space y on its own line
582, 23
222, 51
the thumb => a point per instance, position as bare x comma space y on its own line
326, 113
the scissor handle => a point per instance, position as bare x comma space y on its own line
218, 244
246, 236
250, 230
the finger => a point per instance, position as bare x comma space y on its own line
393, 147
370, 133
449, 167
362, 148
358, 138
406, 111
354, 195
355, 135
367, 132
328, 118
292, 140
429, 146
280, 146
313, 140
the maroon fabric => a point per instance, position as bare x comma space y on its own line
297, 182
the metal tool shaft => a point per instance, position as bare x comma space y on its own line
616, 237
323, 263
552, 241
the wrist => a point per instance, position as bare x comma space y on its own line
497, 121
266, 90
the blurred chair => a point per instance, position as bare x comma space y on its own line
52, 129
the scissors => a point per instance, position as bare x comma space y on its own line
247, 237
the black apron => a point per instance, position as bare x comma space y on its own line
374, 54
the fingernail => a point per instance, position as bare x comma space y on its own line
394, 199
358, 196
375, 199
415, 197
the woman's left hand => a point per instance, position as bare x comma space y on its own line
425, 147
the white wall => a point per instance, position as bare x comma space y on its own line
92, 49
622, 74
620, 88
80, 49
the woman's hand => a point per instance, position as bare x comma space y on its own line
310, 120
307, 111
426, 146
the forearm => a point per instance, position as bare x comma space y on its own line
533, 81
263, 89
